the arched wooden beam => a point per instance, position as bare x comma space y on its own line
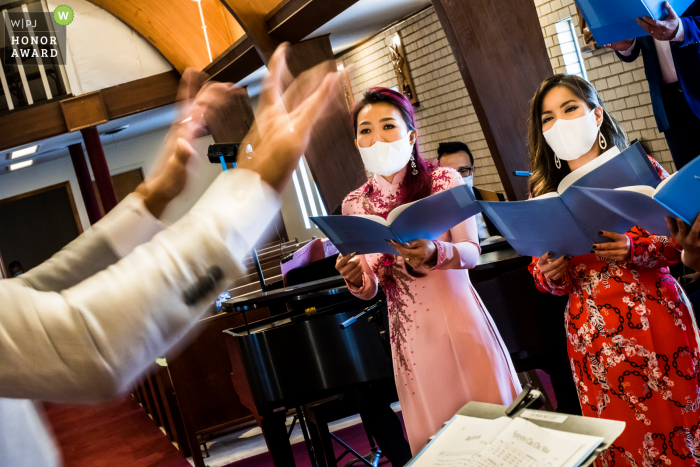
174, 27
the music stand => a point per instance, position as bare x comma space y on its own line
609, 430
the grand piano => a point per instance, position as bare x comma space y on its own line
302, 355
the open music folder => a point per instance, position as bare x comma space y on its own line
489, 435
566, 222
616, 20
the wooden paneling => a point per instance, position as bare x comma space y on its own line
201, 378
501, 54
44, 121
84, 111
174, 27
140, 95
334, 161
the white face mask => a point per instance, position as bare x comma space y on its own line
469, 181
387, 158
571, 139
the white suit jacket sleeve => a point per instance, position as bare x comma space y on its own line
88, 342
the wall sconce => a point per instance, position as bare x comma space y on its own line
345, 84
400, 64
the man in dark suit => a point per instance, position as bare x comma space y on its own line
672, 65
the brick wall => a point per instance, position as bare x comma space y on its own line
622, 86
445, 112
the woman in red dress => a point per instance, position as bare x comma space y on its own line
632, 338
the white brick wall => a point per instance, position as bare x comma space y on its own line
446, 112
622, 86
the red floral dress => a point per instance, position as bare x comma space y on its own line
633, 348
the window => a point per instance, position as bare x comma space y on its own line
573, 60
28, 80
309, 203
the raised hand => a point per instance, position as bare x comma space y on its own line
285, 118
664, 30
553, 269
618, 249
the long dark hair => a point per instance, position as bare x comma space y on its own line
545, 175
414, 187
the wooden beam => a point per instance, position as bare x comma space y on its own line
237, 62
501, 71
250, 14
293, 20
334, 160
44, 121
290, 21
84, 111
174, 27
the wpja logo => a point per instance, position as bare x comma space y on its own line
36, 37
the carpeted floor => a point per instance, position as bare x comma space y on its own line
117, 434
354, 436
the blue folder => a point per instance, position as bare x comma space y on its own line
616, 20
427, 218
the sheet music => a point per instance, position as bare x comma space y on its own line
524, 444
463, 438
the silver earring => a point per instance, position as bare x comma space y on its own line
557, 161
413, 166
602, 142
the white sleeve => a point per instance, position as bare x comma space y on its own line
89, 342
628, 52
680, 34
135, 225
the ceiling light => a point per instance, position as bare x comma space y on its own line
24, 152
21, 165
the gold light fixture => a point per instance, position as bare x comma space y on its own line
400, 64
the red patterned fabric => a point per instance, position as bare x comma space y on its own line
633, 348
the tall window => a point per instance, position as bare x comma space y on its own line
28, 80
570, 49
310, 205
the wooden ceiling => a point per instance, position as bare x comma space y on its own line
174, 27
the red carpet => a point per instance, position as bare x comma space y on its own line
353, 436
117, 434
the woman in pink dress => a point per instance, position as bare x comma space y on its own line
446, 349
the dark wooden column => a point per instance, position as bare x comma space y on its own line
500, 51
85, 182
334, 161
100, 170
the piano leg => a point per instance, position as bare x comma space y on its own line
275, 431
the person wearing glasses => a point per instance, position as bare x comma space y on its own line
457, 155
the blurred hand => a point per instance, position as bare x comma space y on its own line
417, 253
618, 249
170, 173
661, 30
620, 46
553, 269
350, 268
283, 125
689, 239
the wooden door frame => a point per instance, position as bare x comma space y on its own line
71, 199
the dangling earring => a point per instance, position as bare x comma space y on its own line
602, 142
557, 161
413, 165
